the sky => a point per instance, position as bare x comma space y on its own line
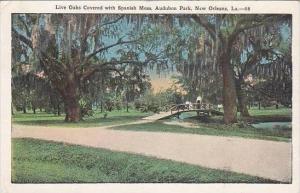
161, 83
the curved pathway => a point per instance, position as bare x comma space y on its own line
268, 159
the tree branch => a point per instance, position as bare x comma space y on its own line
200, 19
248, 23
262, 91
56, 65
22, 38
96, 68
115, 70
112, 22
120, 42
25, 25
92, 30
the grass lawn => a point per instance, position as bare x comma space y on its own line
282, 111
276, 133
45, 119
37, 161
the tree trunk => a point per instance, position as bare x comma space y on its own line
24, 109
101, 106
127, 107
58, 109
229, 89
71, 101
242, 100
67, 115
33, 108
73, 111
12, 109
102, 87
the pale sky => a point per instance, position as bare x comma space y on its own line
162, 81
161, 84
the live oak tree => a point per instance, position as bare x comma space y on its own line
68, 48
225, 33
222, 34
274, 75
224, 30
256, 50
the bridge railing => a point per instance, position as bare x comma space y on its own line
192, 106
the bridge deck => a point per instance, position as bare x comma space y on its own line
176, 110
166, 115
206, 112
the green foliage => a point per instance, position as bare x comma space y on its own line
161, 101
262, 63
36, 161
148, 103
112, 102
85, 107
169, 97
29, 91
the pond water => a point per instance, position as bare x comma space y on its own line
184, 116
269, 125
262, 125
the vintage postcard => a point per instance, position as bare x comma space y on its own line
150, 96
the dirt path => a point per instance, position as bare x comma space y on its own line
182, 124
158, 116
268, 159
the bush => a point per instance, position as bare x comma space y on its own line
118, 103
109, 105
161, 101
137, 104
85, 107
146, 106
